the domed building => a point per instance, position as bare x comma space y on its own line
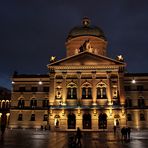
86, 89
78, 35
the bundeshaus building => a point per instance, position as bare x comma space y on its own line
86, 89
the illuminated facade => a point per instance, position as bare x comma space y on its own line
5, 99
86, 89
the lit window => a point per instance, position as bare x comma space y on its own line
101, 91
86, 91
71, 91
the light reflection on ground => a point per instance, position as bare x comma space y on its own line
46, 139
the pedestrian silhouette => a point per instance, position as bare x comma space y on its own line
3, 124
128, 133
78, 137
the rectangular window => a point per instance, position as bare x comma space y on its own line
141, 103
34, 89
33, 103
22, 89
127, 88
45, 103
129, 102
75, 93
32, 117
45, 117
140, 88
21, 104
71, 93
89, 93
46, 89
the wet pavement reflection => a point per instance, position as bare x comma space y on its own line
26, 138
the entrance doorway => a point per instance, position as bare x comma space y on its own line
86, 121
71, 121
102, 121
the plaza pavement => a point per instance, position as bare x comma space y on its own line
31, 138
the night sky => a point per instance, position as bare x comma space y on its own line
33, 30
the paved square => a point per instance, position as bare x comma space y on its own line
26, 138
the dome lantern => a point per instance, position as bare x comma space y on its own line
85, 22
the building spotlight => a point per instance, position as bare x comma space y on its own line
133, 81
40, 82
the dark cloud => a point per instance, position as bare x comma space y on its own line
33, 30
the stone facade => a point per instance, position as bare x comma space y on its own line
86, 89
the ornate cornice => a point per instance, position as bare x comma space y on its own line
102, 67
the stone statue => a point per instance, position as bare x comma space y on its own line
86, 47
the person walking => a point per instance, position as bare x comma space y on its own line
78, 137
128, 133
3, 124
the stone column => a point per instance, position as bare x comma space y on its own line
94, 92
79, 87
109, 92
64, 94
121, 88
52, 88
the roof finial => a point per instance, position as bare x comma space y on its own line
86, 21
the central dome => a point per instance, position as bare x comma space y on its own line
86, 38
86, 30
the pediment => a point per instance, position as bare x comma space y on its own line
86, 59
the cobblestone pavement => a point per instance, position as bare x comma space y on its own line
45, 139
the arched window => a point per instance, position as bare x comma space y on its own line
21, 103
101, 91
86, 121
86, 91
71, 91
129, 117
33, 103
71, 121
7, 104
3, 104
102, 121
